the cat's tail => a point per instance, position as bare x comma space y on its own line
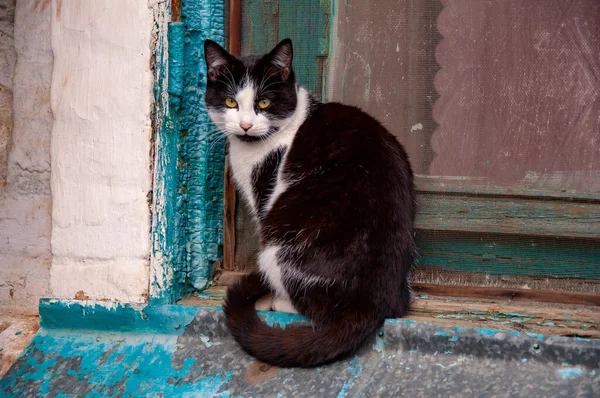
293, 346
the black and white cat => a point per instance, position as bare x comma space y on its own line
332, 191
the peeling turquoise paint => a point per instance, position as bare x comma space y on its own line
113, 349
354, 370
281, 319
202, 146
187, 225
568, 373
536, 336
167, 283
444, 334
486, 332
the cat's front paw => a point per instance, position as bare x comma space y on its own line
283, 305
264, 303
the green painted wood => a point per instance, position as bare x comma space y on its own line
306, 22
508, 216
513, 255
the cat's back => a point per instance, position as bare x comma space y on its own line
335, 117
345, 134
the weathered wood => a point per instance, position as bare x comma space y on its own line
440, 276
228, 278
229, 194
229, 199
551, 186
543, 296
175, 10
505, 254
306, 22
473, 292
533, 317
508, 216
235, 26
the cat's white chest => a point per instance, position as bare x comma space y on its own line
244, 159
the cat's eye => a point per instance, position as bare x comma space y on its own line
264, 103
230, 103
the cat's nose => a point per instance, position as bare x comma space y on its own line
246, 126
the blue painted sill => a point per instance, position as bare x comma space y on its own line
96, 349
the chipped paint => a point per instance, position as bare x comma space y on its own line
149, 350
281, 319
167, 277
568, 373
354, 370
201, 146
187, 225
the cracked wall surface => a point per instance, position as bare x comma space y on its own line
25, 201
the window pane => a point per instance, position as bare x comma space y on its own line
481, 92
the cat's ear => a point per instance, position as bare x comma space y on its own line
218, 60
281, 57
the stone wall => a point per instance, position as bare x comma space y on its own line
25, 201
8, 58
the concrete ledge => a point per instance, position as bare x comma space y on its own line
110, 348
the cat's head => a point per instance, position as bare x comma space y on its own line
250, 98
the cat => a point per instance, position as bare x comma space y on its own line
332, 192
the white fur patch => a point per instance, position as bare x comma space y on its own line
283, 305
246, 115
264, 303
271, 270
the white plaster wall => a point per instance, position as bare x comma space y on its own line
101, 138
25, 201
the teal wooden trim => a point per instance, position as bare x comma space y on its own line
167, 271
306, 22
509, 215
509, 235
202, 147
188, 177
488, 253
532, 188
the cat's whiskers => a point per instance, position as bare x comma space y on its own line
264, 78
269, 85
231, 80
219, 140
